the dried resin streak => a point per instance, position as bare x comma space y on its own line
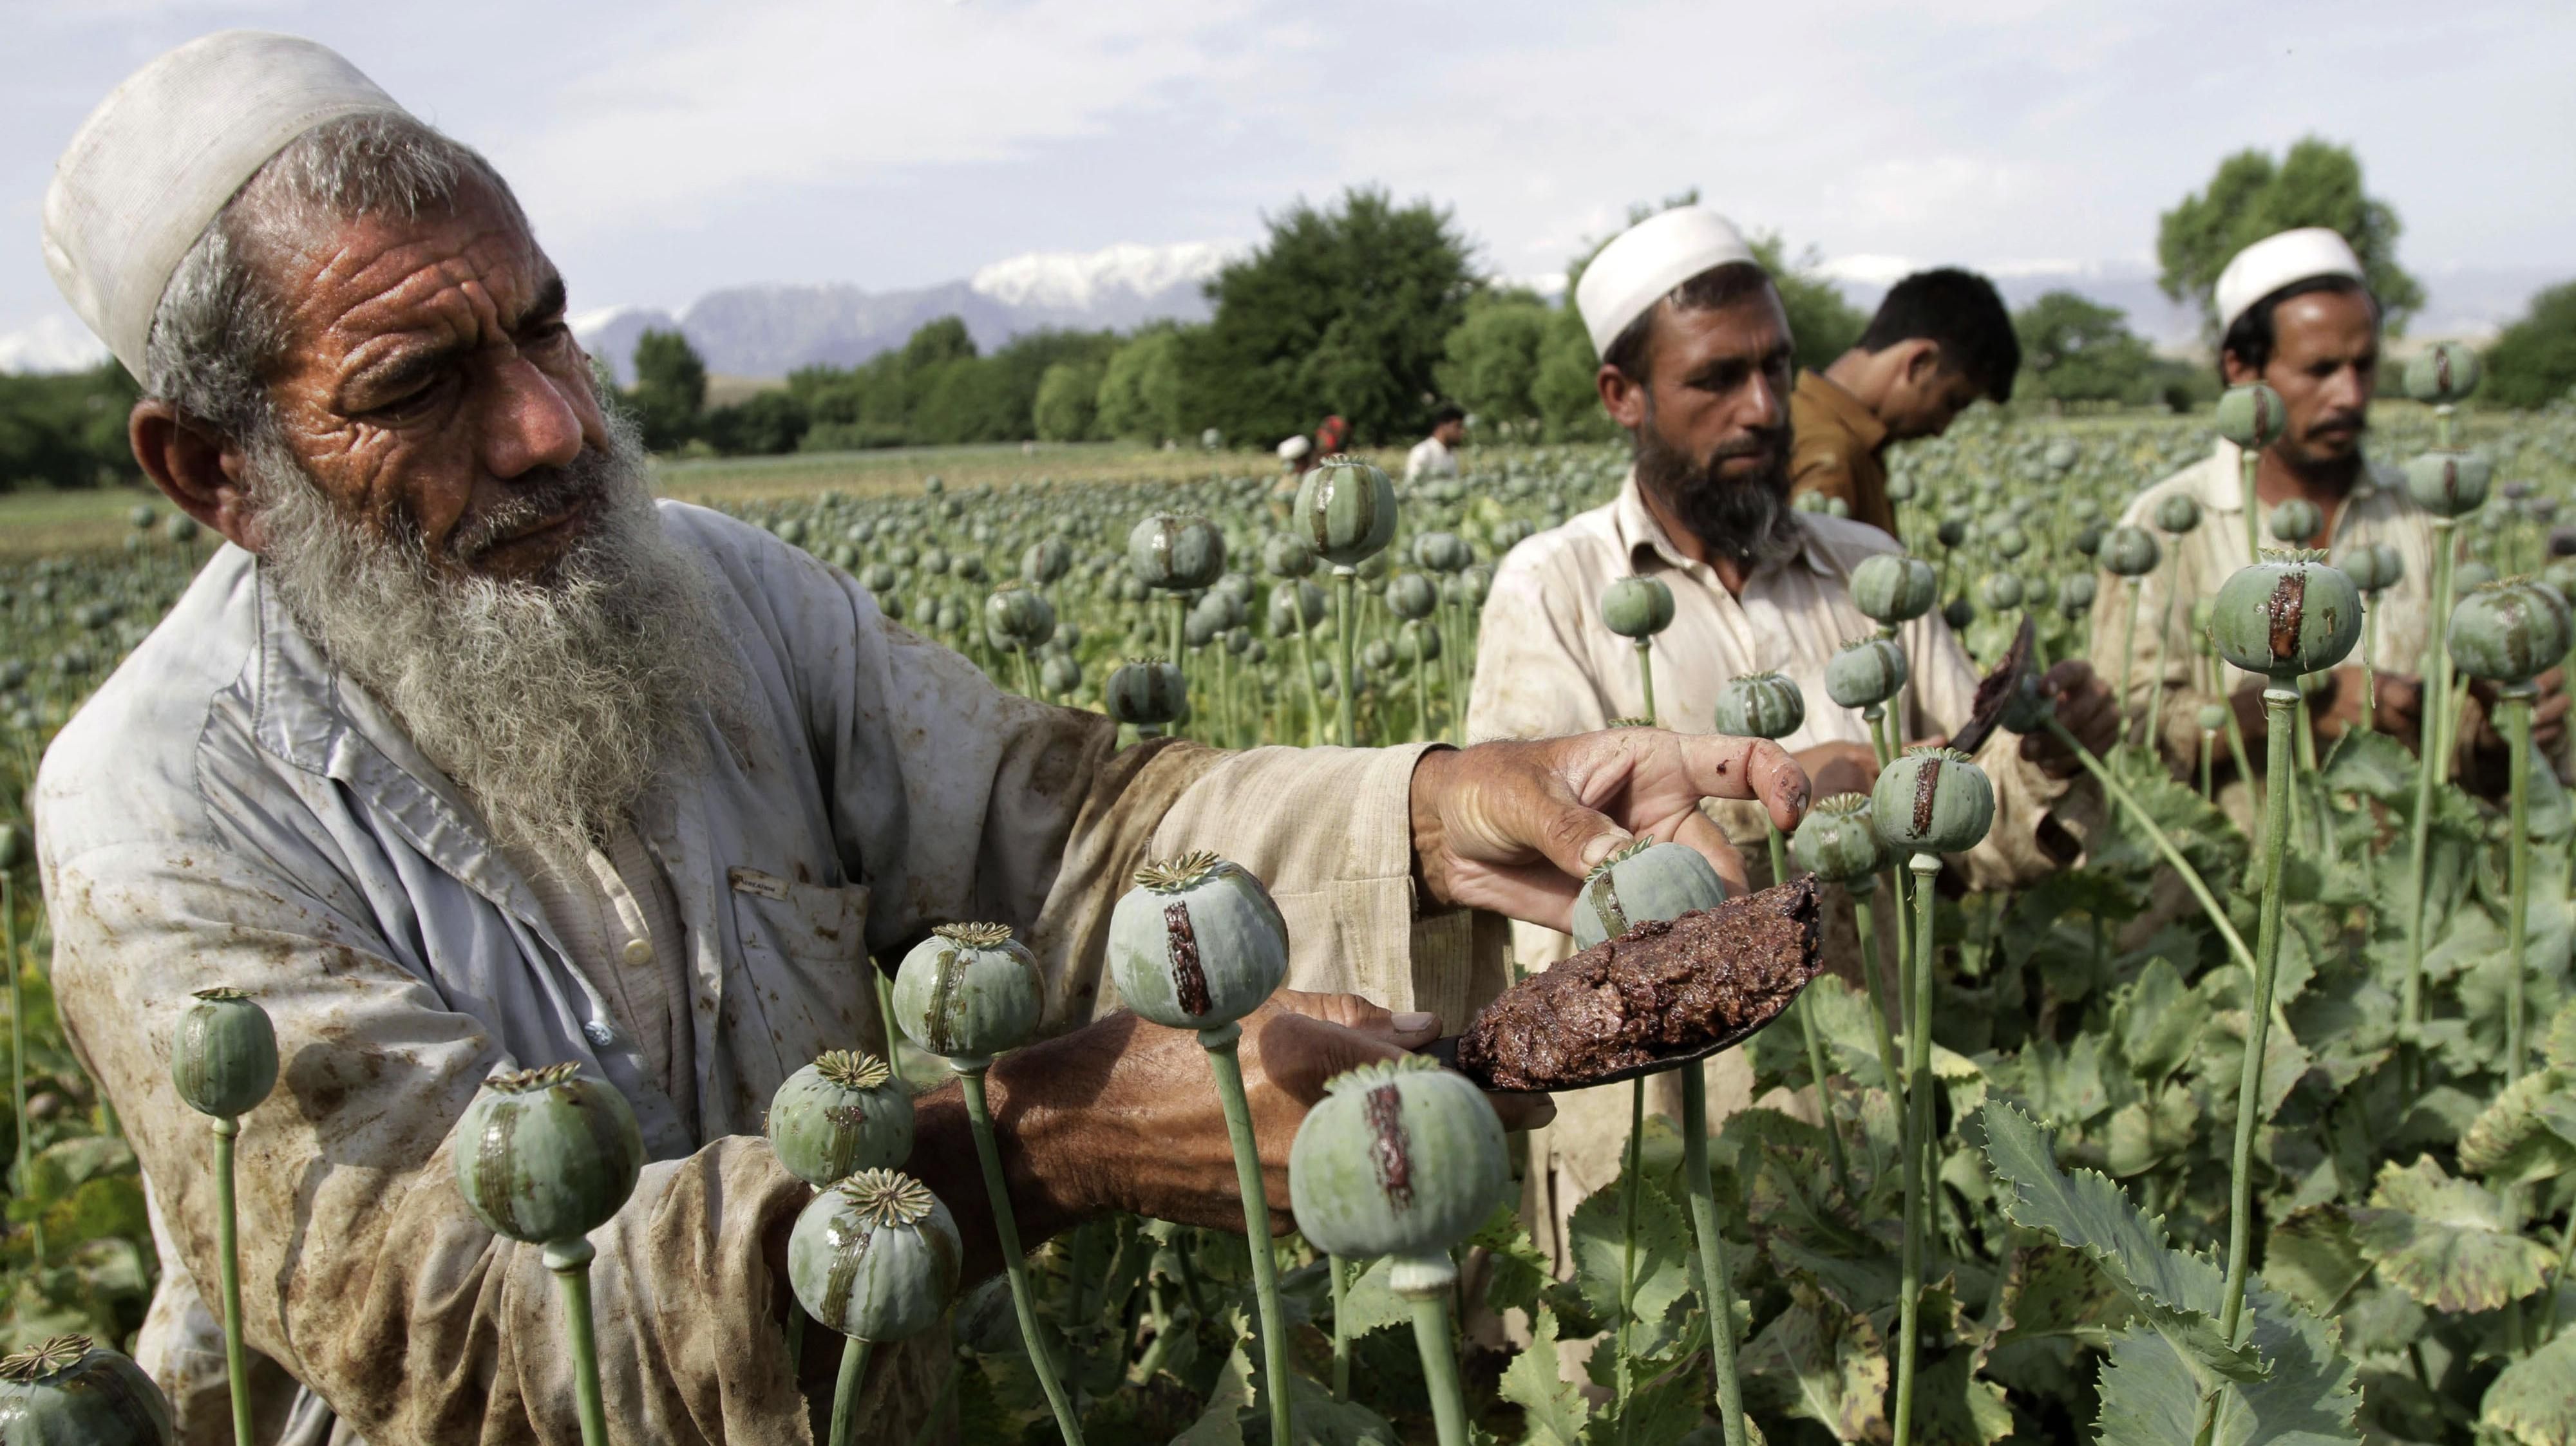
1661, 994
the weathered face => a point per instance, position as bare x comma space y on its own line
1720, 386
433, 390
2325, 363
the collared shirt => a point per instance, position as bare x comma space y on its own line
1430, 457
1545, 664
1835, 450
230, 809
2193, 566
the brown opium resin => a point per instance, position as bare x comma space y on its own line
1669, 990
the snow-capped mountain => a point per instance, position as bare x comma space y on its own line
770, 330
1082, 281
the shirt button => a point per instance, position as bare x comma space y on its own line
639, 952
600, 1032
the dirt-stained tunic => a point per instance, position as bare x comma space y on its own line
229, 810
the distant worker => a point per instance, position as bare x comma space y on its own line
1437, 454
1296, 459
2295, 315
1332, 436
1940, 341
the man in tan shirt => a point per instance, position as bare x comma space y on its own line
2296, 317
1695, 366
1941, 341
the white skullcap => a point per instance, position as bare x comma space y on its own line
163, 153
1649, 259
2279, 260
1296, 447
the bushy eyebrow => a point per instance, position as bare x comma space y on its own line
411, 369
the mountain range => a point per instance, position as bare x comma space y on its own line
769, 330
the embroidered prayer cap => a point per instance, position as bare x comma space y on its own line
1649, 259
2284, 258
155, 163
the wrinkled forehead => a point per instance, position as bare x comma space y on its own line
1750, 326
460, 272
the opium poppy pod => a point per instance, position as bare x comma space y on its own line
544, 1155
2450, 484
2373, 566
2297, 520
1291, 601
1890, 588
2178, 513
2251, 416
1346, 508
1045, 561
1932, 801
1401, 1158
2509, 632
2442, 373
2001, 590
1412, 596
1637, 607
1838, 840
1867, 671
1146, 692
1176, 553
1287, 556
875, 1257
2286, 615
1021, 615
1197, 943
2075, 595
224, 1057
1760, 705
968, 992
839, 1115
68, 1392
1640, 883
1442, 552
2130, 552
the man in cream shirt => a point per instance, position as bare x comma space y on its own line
1696, 367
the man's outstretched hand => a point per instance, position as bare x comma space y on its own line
2084, 707
1513, 827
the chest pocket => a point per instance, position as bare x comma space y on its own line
804, 948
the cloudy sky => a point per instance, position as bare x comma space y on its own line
666, 149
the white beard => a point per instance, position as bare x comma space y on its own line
555, 704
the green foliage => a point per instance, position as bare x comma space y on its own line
937, 390
66, 430
2533, 362
762, 424
1343, 309
1490, 363
1140, 388
670, 389
1821, 322
2074, 350
1068, 401
2533, 1401
2447, 1242
2317, 183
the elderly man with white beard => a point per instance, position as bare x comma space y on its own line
467, 755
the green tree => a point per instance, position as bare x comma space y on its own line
66, 430
1489, 365
670, 389
1569, 405
2075, 350
1140, 388
933, 342
2533, 363
2318, 183
762, 424
1821, 322
1343, 309
1068, 400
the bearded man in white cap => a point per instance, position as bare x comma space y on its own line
2296, 315
1695, 365
465, 754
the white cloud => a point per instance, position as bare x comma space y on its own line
56, 342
